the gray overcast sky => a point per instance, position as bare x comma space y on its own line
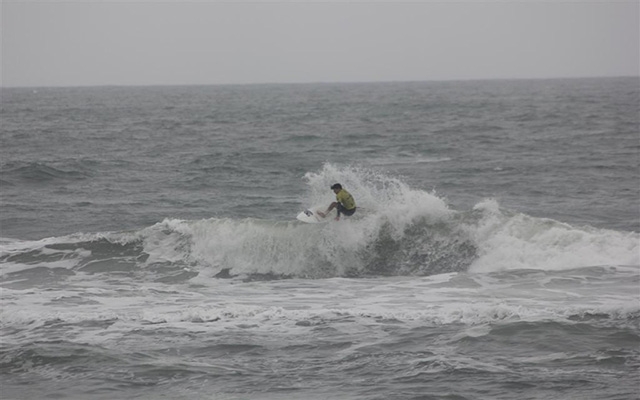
73, 43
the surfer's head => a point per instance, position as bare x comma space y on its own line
336, 186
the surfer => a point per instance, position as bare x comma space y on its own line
345, 203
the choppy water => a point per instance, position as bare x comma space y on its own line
150, 249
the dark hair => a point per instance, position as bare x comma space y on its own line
336, 186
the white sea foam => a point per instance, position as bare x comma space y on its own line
294, 305
518, 241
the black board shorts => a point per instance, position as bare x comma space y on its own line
342, 210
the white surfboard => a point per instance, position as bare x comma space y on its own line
311, 217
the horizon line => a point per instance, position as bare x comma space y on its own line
118, 85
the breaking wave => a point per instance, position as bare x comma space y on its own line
397, 231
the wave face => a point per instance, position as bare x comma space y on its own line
397, 231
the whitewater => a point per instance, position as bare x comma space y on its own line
149, 246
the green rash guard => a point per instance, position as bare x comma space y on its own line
346, 199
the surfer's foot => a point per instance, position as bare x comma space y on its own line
320, 213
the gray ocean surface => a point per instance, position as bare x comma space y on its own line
149, 246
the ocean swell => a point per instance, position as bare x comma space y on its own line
397, 231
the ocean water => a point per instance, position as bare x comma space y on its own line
149, 247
